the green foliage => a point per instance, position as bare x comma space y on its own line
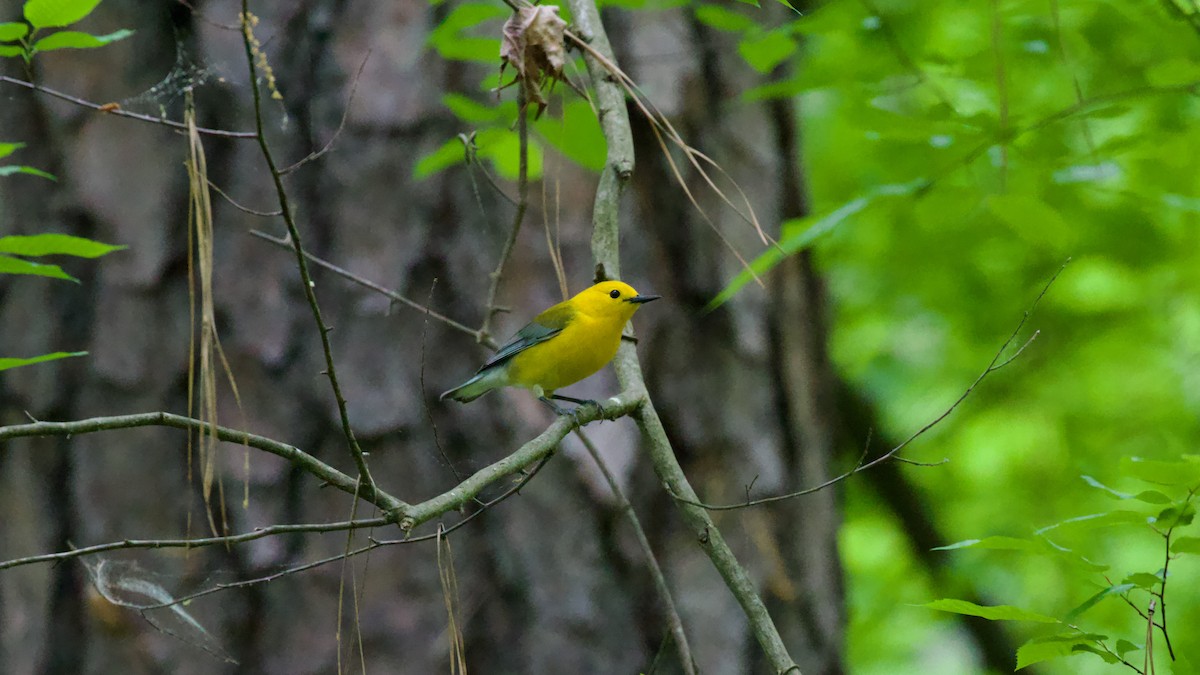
7, 149
994, 613
1090, 160
46, 244
14, 250
1179, 513
43, 14
6, 364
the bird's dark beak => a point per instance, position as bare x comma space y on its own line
639, 299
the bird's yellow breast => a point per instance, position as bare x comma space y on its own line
583, 347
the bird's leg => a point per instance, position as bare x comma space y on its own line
579, 401
559, 410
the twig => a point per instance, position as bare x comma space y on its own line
374, 544
522, 205
356, 451
994, 365
660, 583
239, 207
366, 283
294, 455
107, 109
471, 158
411, 515
1162, 589
341, 125
259, 533
437, 441
614, 121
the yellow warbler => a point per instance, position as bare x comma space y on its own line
561, 346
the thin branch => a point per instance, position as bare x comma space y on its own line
258, 533
522, 205
994, 365
356, 451
292, 454
660, 583
411, 515
239, 207
619, 161
341, 125
471, 159
374, 544
1162, 591
118, 112
366, 283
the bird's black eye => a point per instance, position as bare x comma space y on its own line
614, 294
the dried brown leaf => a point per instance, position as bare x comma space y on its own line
532, 43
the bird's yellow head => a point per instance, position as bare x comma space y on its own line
610, 299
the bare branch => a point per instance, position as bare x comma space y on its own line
411, 515
614, 121
341, 125
239, 207
366, 283
108, 109
522, 205
285, 208
660, 583
994, 365
258, 533
292, 454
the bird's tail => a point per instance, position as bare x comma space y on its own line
482, 383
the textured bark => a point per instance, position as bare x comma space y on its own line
550, 581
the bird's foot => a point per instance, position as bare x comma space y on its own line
573, 412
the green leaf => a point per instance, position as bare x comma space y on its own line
55, 244
7, 149
1095, 520
993, 613
721, 18
1186, 545
800, 233
577, 135
765, 51
1108, 658
995, 543
1162, 473
1123, 647
11, 50
1142, 580
448, 41
1101, 486
1039, 546
473, 112
1119, 589
1152, 497
1175, 516
450, 153
17, 266
12, 31
69, 39
55, 13
5, 364
17, 168
1054, 646
502, 147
